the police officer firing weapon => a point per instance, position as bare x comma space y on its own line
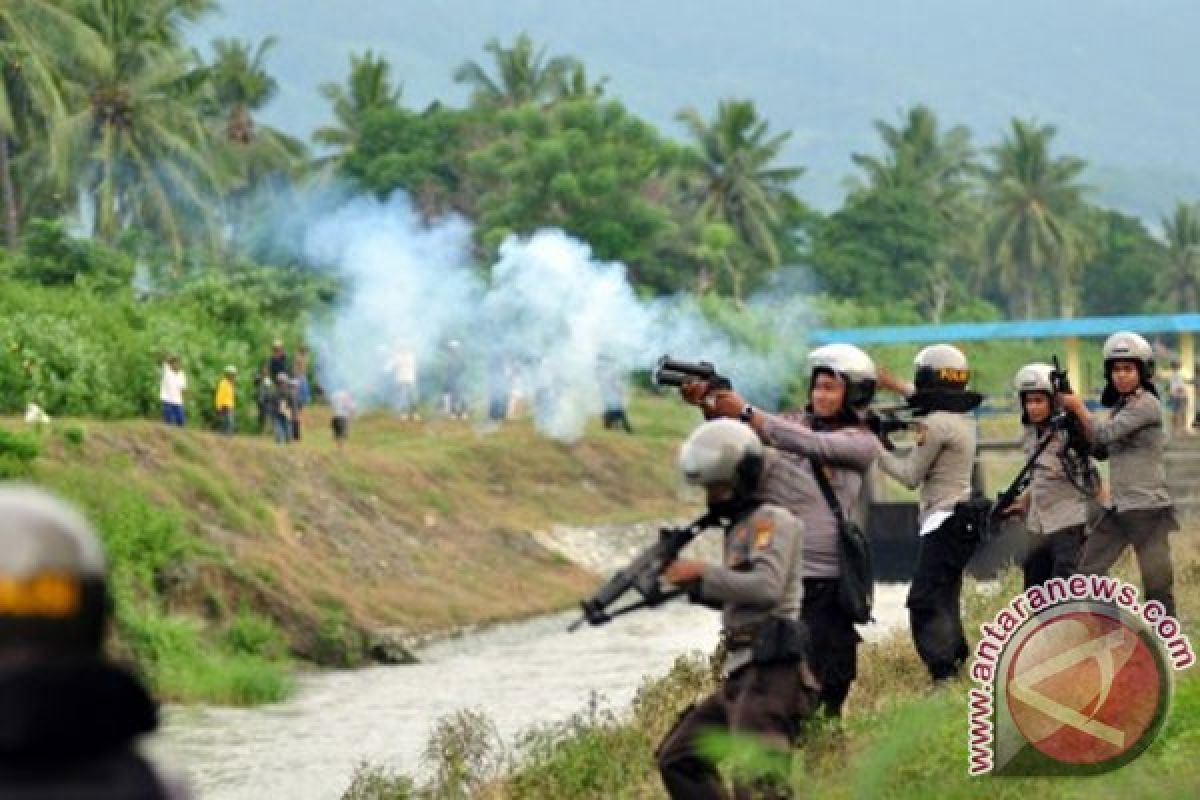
829, 450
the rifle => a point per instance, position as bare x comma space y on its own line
673, 372
1077, 442
883, 421
1058, 378
642, 575
1021, 482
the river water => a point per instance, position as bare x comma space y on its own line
520, 675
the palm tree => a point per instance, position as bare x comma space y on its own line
241, 86
935, 165
35, 37
1180, 278
138, 144
733, 180
918, 155
523, 75
368, 88
1035, 202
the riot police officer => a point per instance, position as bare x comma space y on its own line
828, 436
1132, 440
68, 719
940, 464
766, 689
1063, 481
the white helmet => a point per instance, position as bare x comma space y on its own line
1127, 346
1036, 377
721, 451
941, 366
852, 365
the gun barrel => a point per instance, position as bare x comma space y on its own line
669, 377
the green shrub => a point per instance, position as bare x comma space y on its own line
74, 435
20, 446
253, 634
372, 782
180, 664
465, 753
339, 643
17, 454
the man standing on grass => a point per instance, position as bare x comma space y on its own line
171, 389
225, 399
343, 408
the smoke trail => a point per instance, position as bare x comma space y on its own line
546, 315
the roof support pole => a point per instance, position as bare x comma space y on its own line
1187, 358
1073, 366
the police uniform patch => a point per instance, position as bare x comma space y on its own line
764, 530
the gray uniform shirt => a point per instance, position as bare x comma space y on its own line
760, 576
940, 463
1055, 503
1132, 439
847, 453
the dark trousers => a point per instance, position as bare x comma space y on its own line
283, 428
767, 702
933, 597
617, 419
173, 414
228, 423
1146, 531
1052, 555
834, 643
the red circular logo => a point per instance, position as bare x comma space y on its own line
1083, 688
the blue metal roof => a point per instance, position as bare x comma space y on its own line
1023, 329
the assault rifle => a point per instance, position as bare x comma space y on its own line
643, 575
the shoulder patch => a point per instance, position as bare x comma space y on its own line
764, 531
922, 434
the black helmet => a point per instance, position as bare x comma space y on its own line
941, 366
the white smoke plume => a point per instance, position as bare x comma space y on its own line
546, 316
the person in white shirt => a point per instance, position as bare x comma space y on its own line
173, 385
403, 366
343, 409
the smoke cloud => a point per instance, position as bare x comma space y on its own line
547, 320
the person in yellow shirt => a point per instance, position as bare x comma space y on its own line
225, 400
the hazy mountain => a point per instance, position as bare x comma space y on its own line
1118, 77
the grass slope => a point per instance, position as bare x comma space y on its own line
228, 554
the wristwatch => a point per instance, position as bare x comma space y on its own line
747, 414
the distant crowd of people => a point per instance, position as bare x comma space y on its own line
283, 389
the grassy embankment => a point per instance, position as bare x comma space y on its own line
230, 557
899, 741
